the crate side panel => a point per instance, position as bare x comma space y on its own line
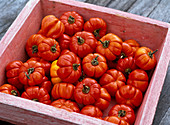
30, 112
22, 116
149, 104
150, 35
15, 47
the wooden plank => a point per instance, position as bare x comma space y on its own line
162, 11
9, 10
144, 7
163, 105
157, 9
123, 5
165, 120
81, 0
99, 2
20, 116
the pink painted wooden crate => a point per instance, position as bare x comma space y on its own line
147, 32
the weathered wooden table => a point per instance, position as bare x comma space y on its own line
156, 9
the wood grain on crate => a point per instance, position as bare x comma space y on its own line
156, 9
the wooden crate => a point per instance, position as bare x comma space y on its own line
148, 32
